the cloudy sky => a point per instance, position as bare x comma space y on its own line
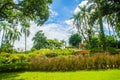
58, 25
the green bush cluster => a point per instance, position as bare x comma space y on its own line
48, 62
12, 62
56, 52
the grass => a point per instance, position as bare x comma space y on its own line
78, 75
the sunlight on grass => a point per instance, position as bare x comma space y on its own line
78, 75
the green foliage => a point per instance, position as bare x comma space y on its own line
53, 44
42, 51
6, 47
24, 10
75, 39
63, 51
33, 49
39, 40
112, 50
95, 42
53, 62
110, 41
13, 62
96, 50
51, 55
56, 51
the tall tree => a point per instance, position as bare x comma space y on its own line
97, 6
77, 22
26, 31
39, 40
83, 23
5, 29
15, 35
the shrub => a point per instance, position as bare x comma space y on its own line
112, 50
51, 54
81, 52
96, 50
63, 51
14, 62
68, 63
42, 51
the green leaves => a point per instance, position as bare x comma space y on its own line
35, 10
39, 40
75, 39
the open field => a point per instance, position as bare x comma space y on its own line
78, 75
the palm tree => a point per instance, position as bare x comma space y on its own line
77, 23
87, 25
26, 31
97, 5
83, 23
15, 35
5, 30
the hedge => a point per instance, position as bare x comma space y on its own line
38, 62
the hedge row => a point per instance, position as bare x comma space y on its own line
59, 63
71, 63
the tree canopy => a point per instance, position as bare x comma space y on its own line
24, 11
75, 39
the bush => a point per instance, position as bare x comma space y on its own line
112, 50
12, 62
68, 63
63, 51
96, 50
51, 54
56, 51
15, 62
42, 51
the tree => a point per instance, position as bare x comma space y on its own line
20, 10
15, 35
77, 22
110, 41
26, 31
75, 39
97, 6
6, 30
39, 40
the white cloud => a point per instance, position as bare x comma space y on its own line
51, 31
84, 2
69, 22
53, 13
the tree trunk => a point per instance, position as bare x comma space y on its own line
108, 26
25, 41
2, 38
81, 32
102, 35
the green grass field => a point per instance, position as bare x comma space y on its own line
78, 75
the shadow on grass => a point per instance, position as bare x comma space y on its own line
10, 75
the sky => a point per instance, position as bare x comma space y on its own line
58, 25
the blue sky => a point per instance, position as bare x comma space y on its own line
64, 10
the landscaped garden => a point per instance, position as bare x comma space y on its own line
90, 53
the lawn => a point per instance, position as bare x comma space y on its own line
78, 75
